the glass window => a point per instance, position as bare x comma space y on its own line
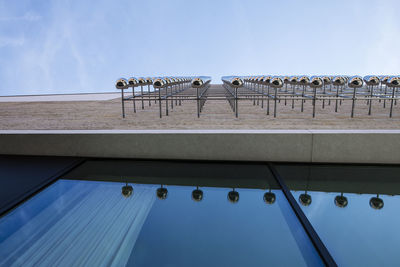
354, 209
172, 221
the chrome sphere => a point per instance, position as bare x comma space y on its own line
159, 83
162, 193
132, 81
269, 198
121, 83
376, 203
338, 80
197, 83
276, 82
327, 80
341, 201
304, 80
355, 82
394, 81
127, 191
316, 82
197, 195
237, 82
293, 80
233, 196
305, 199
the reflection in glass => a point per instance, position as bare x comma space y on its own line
89, 223
233, 196
346, 207
269, 197
376, 202
341, 201
162, 192
127, 190
197, 195
305, 199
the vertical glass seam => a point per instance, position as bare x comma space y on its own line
315, 239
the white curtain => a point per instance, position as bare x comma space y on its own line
97, 227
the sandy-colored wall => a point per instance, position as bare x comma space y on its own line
360, 146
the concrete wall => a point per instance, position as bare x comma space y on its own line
331, 146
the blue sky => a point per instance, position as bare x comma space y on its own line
60, 46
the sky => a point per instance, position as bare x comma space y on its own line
79, 46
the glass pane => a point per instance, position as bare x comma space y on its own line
354, 209
172, 221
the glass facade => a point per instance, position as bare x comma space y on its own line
143, 213
354, 209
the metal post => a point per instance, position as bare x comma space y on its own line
236, 103
337, 96
267, 99
370, 101
384, 100
172, 97
314, 100
302, 98
122, 101
353, 103
166, 100
285, 93
159, 101
148, 91
294, 92
141, 89
391, 104
133, 98
276, 90
198, 103
262, 97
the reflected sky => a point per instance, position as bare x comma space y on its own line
96, 223
356, 235
354, 209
